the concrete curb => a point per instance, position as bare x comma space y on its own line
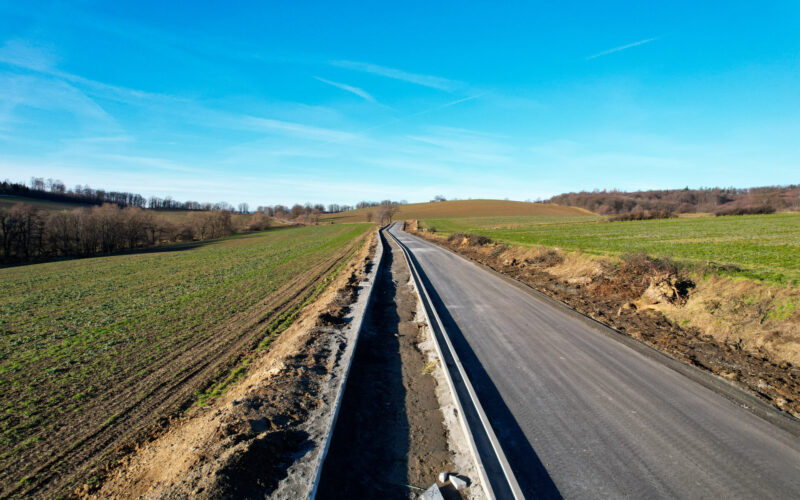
349, 354
428, 311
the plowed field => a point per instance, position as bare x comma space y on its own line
96, 354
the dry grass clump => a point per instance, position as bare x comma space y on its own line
577, 267
758, 318
638, 274
469, 239
545, 257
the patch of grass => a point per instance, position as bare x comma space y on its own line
759, 247
219, 388
785, 310
429, 367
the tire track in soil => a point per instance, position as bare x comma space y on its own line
390, 431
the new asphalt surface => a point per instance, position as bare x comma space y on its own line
582, 415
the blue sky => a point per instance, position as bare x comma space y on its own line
278, 102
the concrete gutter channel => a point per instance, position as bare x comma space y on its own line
303, 477
497, 477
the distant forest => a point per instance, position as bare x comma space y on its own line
105, 222
722, 201
55, 190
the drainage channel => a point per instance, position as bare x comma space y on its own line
389, 440
497, 477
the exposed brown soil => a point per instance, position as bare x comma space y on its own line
390, 434
614, 297
242, 444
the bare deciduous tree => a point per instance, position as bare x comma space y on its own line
388, 209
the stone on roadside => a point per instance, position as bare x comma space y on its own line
457, 482
432, 493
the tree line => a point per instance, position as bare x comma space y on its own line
107, 222
310, 212
706, 200
28, 234
55, 190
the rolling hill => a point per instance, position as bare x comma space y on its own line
460, 208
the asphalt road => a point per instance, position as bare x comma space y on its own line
582, 415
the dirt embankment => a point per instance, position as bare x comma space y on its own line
651, 300
390, 436
244, 443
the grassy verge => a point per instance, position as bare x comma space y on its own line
764, 248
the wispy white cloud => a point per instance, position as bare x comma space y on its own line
349, 88
397, 74
448, 104
147, 161
27, 55
113, 139
38, 59
51, 95
296, 129
623, 47
423, 112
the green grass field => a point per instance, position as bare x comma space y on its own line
760, 247
91, 344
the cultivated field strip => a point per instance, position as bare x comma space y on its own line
143, 351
